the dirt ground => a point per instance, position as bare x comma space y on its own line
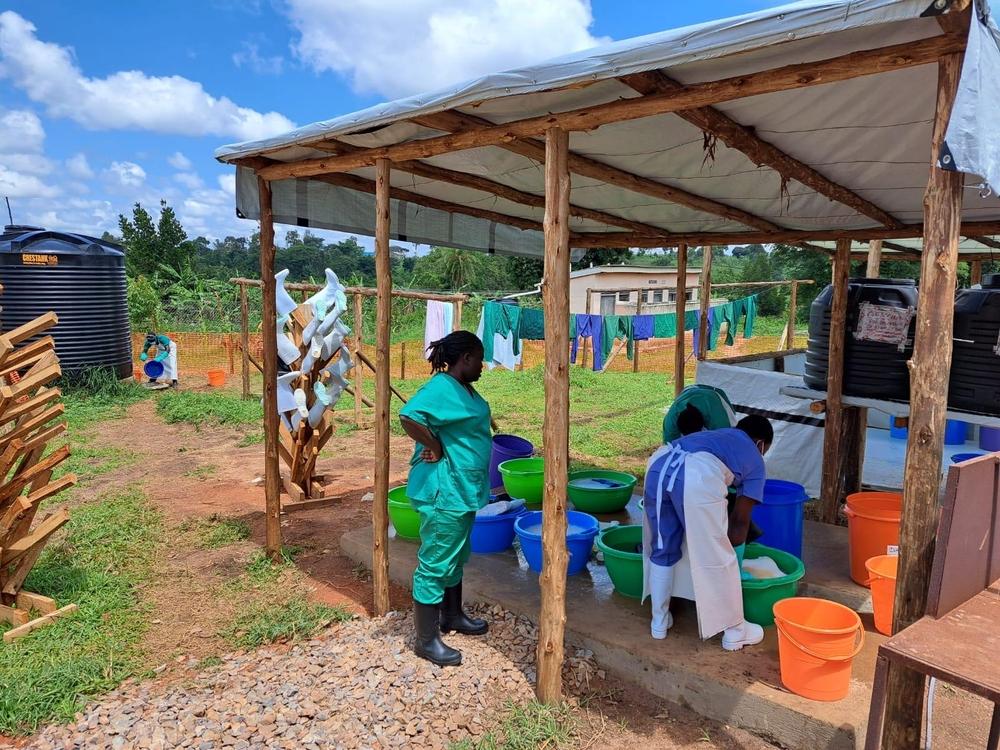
191, 473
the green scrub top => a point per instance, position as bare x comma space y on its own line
460, 419
710, 401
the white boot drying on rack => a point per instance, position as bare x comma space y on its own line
661, 587
744, 634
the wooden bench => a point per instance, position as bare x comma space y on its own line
958, 639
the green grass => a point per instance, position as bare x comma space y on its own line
526, 727
98, 397
101, 564
218, 531
291, 620
202, 472
208, 408
251, 438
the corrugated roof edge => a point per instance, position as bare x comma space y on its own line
664, 49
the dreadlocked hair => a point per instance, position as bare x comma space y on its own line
445, 352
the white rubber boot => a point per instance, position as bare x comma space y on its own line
744, 634
661, 587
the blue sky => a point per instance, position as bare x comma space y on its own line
106, 103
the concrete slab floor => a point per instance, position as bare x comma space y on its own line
741, 689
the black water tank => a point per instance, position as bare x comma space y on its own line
975, 365
871, 369
83, 280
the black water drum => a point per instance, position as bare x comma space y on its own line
975, 364
81, 279
871, 369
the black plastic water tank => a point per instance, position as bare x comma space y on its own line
975, 365
82, 279
871, 369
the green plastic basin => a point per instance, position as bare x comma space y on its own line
760, 595
404, 518
522, 479
601, 500
624, 564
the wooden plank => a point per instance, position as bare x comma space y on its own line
359, 374
44, 437
292, 489
41, 622
245, 341
975, 272
705, 300
13, 616
29, 383
312, 503
618, 348
457, 321
555, 429
16, 411
31, 423
29, 601
30, 329
383, 321
9, 456
832, 485
27, 475
793, 303
269, 323
786, 78
681, 305
12, 583
38, 535
874, 259
27, 355
929, 368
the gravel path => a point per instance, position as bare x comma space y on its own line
358, 685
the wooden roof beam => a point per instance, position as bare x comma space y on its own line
475, 182
759, 151
454, 121
785, 78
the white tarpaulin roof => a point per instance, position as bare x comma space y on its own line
870, 134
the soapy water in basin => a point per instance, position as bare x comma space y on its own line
596, 484
572, 529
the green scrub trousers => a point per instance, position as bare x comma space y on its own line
446, 494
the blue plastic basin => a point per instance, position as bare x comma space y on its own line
780, 516
960, 457
954, 432
153, 369
582, 529
494, 533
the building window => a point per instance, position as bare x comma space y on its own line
689, 295
672, 297
624, 296
658, 296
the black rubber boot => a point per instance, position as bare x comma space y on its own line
427, 643
453, 617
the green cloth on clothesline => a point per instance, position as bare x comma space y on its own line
502, 319
533, 324
620, 327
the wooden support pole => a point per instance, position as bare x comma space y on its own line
874, 259
975, 272
831, 490
272, 474
793, 303
681, 305
635, 346
929, 367
457, 317
555, 288
705, 301
359, 371
383, 277
402, 360
245, 341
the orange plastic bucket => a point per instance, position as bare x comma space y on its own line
873, 528
217, 377
817, 643
882, 570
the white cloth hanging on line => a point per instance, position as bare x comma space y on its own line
438, 323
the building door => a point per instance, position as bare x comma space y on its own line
607, 304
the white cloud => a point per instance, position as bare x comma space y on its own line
21, 131
22, 161
16, 184
177, 160
48, 74
78, 166
249, 56
411, 46
126, 173
189, 180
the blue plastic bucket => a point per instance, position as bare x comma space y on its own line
960, 457
506, 447
780, 516
954, 432
581, 532
899, 433
494, 533
989, 438
153, 369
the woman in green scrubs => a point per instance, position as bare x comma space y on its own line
448, 483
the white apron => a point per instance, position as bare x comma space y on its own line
708, 571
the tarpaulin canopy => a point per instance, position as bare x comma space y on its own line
864, 137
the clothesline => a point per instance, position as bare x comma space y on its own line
503, 326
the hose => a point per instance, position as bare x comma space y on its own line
930, 713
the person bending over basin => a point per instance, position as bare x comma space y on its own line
685, 504
447, 484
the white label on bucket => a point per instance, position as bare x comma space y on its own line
892, 549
